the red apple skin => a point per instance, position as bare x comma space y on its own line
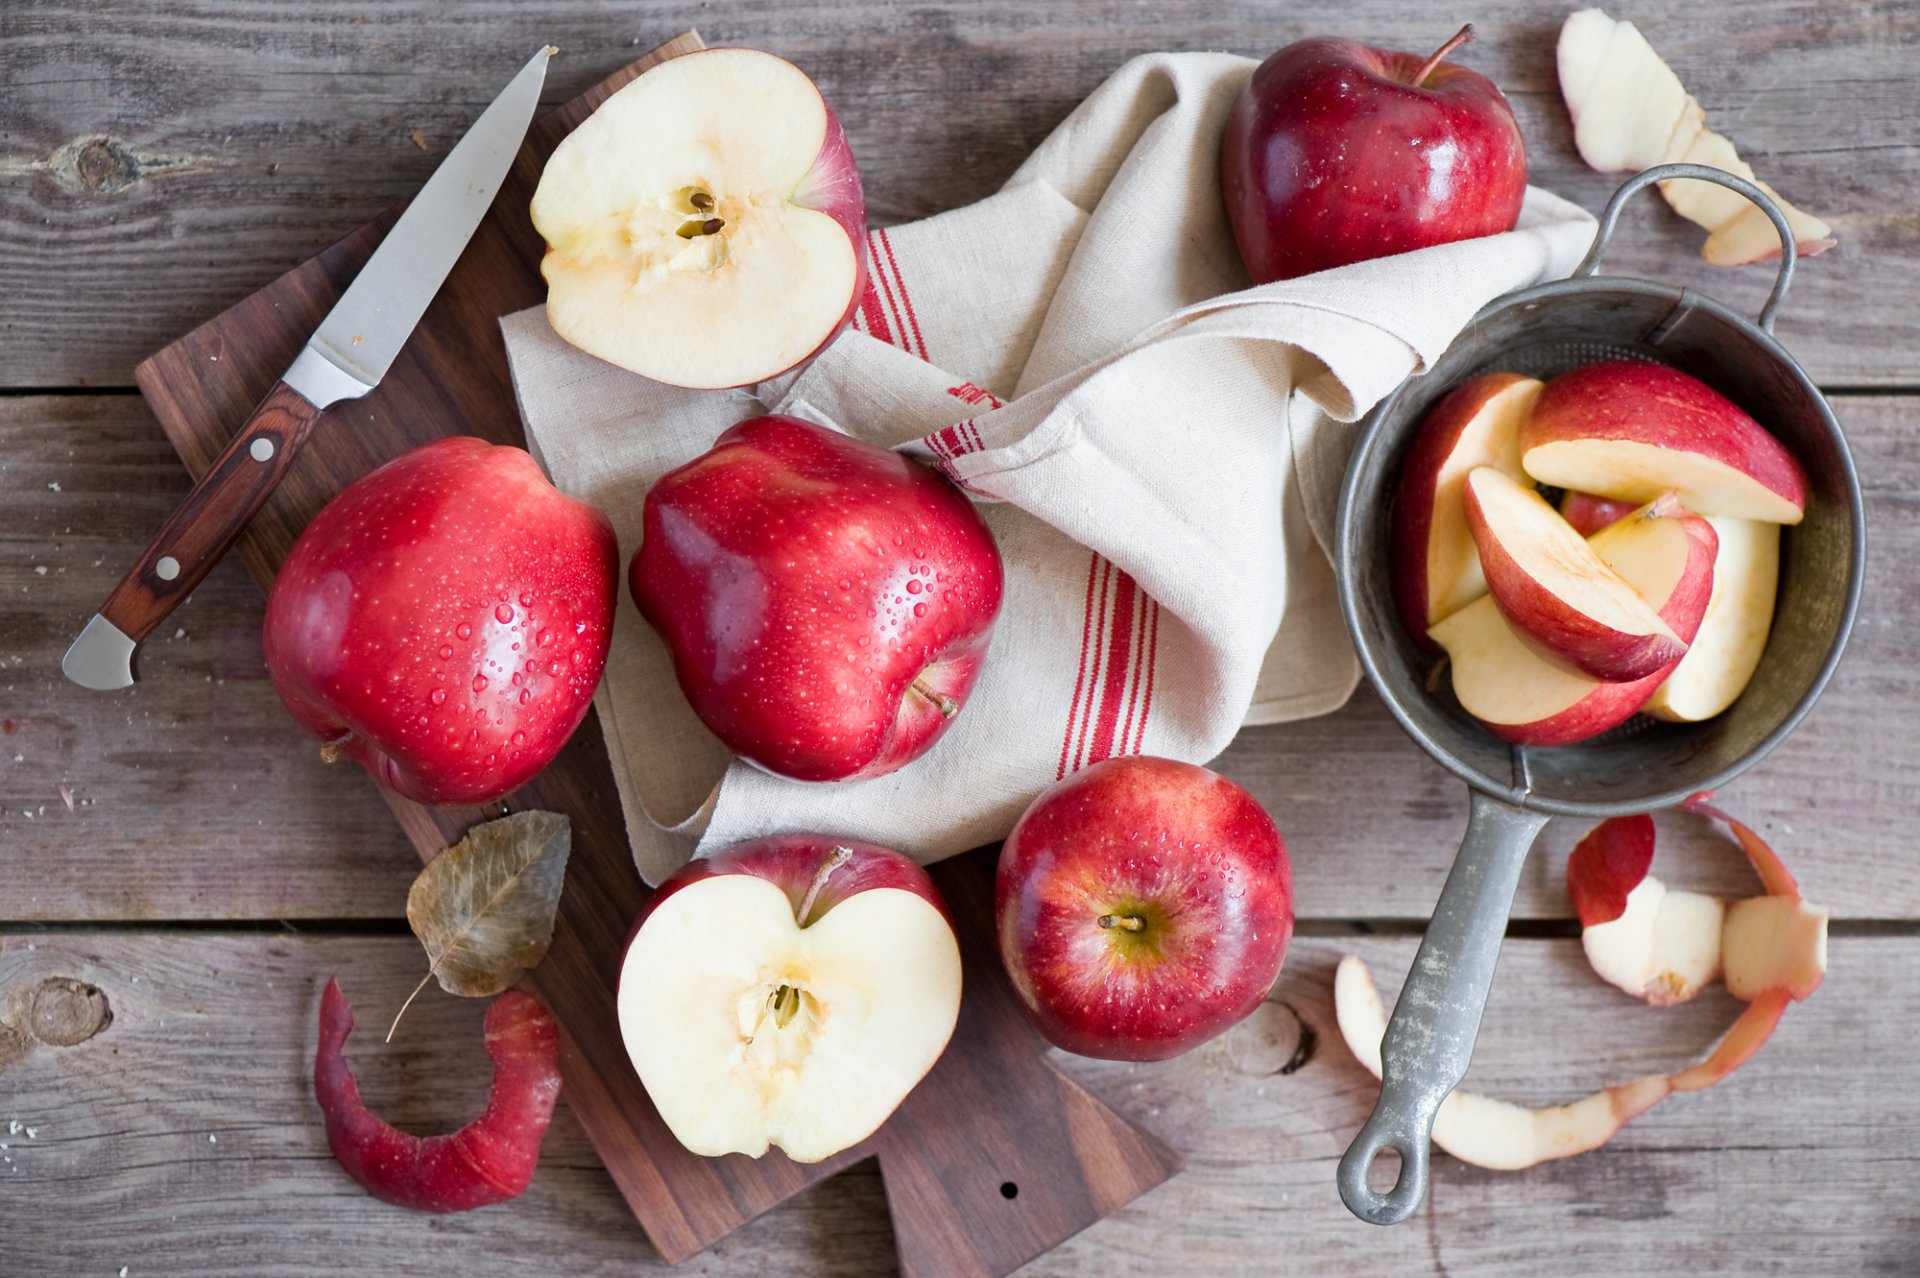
1205, 867
1607, 865
791, 862
832, 186
802, 581
1414, 495
444, 620
1611, 704
1589, 514
1555, 630
1332, 155
1653, 404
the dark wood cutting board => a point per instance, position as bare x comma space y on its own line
996, 1156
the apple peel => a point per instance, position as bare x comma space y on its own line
1631, 112
1772, 948
488, 1161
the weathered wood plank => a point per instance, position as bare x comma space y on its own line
258, 828
212, 1036
184, 157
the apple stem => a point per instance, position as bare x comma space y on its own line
1130, 922
1460, 37
947, 706
330, 750
1665, 506
836, 857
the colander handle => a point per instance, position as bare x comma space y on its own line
1429, 1042
1705, 173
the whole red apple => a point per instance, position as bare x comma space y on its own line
827, 603
1143, 906
444, 620
789, 991
1337, 152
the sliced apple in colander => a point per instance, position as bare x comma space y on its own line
1631, 112
705, 226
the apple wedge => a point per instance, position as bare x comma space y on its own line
1557, 592
1521, 697
1630, 431
1724, 654
789, 991
1631, 112
1589, 514
1436, 568
705, 226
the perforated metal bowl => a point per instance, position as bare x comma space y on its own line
1638, 767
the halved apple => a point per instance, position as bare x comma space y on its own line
705, 226
1436, 568
789, 991
1733, 635
1562, 599
1631, 430
1521, 697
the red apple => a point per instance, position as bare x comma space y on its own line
789, 991
1143, 906
1630, 430
705, 226
1589, 514
444, 620
1559, 595
1337, 152
827, 603
1521, 697
1436, 566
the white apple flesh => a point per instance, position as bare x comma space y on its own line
1665, 947
1557, 592
1733, 635
756, 1020
705, 226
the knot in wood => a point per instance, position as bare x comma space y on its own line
97, 165
65, 1012
1273, 1040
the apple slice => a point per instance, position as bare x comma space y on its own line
1631, 430
1733, 635
1655, 944
790, 991
1561, 598
1631, 112
705, 226
1589, 514
1436, 566
1521, 697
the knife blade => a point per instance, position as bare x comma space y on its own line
345, 358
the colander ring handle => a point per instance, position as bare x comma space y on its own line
1705, 173
1429, 1042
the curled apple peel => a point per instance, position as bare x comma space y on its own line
491, 1159
1771, 950
1631, 112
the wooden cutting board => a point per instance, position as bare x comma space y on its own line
996, 1156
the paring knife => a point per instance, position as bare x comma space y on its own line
344, 359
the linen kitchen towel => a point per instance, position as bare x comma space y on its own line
1157, 447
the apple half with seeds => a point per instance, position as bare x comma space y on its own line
788, 991
705, 227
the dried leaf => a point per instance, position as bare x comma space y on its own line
484, 908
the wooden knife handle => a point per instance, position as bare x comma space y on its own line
208, 522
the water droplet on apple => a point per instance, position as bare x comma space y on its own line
479, 683
920, 610
438, 696
463, 631
540, 639
503, 614
526, 599
914, 586
526, 695
516, 678
865, 640
519, 738
446, 651
846, 583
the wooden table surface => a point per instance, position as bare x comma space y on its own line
180, 847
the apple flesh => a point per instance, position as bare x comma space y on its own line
827, 603
1143, 906
1559, 595
444, 621
1337, 152
1521, 697
1436, 564
705, 226
788, 992
1630, 431
1733, 635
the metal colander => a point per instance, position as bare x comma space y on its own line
1638, 767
